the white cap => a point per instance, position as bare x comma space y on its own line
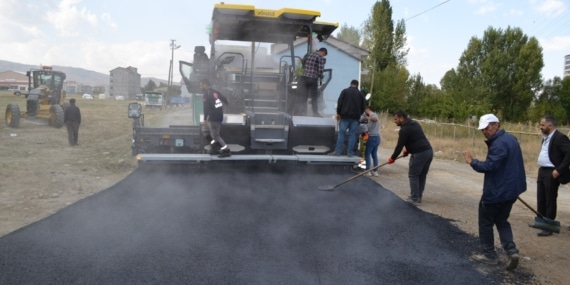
486, 119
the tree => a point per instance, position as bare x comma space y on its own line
467, 97
387, 58
349, 34
564, 96
390, 89
385, 42
150, 86
502, 68
552, 100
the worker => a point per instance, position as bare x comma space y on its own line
371, 153
213, 116
553, 162
504, 181
412, 137
349, 108
72, 120
313, 68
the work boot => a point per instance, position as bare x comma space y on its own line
225, 152
513, 262
484, 259
214, 148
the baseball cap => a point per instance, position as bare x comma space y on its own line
486, 119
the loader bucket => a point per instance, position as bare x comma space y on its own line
546, 224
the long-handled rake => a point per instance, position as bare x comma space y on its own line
541, 222
332, 187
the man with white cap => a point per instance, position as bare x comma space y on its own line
505, 180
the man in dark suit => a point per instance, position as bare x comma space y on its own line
553, 160
72, 120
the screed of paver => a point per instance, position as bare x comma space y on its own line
239, 227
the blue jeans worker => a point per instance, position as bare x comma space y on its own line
373, 141
412, 137
504, 181
349, 108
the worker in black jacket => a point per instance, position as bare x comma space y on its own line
72, 120
412, 137
213, 116
553, 162
350, 106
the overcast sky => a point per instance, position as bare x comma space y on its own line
101, 35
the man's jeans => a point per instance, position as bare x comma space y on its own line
496, 214
417, 173
343, 125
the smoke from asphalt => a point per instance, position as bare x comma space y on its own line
235, 226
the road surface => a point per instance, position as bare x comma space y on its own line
240, 227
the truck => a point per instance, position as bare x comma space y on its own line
153, 100
258, 125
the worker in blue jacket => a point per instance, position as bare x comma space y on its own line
505, 180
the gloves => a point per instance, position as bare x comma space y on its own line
390, 160
405, 153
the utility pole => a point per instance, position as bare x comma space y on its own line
173, 46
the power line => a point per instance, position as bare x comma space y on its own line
427, 10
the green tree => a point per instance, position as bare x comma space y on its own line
549, 101
385, 41
467, 97
390, 89
387, 59
564, 95
349, 34
150, 86
503, 68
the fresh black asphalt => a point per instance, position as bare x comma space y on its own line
239, 227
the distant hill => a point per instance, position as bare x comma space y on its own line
80, 75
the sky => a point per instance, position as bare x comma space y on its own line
101, 35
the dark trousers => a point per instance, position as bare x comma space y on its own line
212, 130
417, 173
72, 132
546, 192
496, 214
307, 88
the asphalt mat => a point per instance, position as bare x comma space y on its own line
208, 227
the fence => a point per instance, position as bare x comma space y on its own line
449, 140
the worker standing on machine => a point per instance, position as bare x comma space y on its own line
313, 68
213, 116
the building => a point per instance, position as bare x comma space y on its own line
71, 87
124, 82
13, 81
567, 65
74, 87
344, 59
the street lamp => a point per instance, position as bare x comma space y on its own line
173, 46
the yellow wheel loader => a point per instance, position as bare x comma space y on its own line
45, 98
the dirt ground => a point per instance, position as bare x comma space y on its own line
40, 174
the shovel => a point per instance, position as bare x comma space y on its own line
332, 187
541, 222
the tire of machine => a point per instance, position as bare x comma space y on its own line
12, 116
56, 116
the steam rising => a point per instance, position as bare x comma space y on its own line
238, 227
